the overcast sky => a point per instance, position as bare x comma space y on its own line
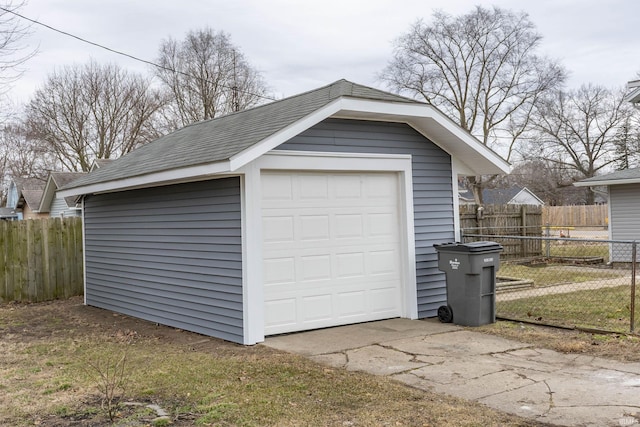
304, 44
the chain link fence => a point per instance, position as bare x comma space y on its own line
566, 281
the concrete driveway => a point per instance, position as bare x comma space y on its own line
563, 389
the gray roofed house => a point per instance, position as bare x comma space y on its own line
312, 211
8, 214
24, 197
503, 196
623, 189
53, 204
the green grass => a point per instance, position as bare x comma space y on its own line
605, 308
224, 385
557, 274
578, 249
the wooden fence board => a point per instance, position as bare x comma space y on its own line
505, 220
576, 216
41, 259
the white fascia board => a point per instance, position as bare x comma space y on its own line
248, 155
174, 176
607, 182
419, 116
47, 196
525, 189
423, 117
634, 96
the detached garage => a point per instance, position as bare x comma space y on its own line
316, 210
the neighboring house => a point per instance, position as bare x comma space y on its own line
98, 163
503, 196
624, 205
24, 197
317, 210
54, 205
8, 214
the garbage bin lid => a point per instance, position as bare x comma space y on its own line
469, 247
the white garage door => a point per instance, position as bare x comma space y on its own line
331, 248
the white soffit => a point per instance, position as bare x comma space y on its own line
424, 118
434, 125
607, 182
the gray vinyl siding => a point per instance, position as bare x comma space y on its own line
170, 255
624, 221
432, 188
59, 209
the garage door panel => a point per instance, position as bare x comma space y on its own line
383, 262
314, 267
279, 270
349, 265
281, 313
352, 304
334, 254
350, 187
278, 229
313, 187
316, 307
314, 227
348, 225
279, 187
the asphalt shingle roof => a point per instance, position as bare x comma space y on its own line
65, 178
623, 174
221, 138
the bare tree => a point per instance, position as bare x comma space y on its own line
206, 76
578, 130
480, 68
21, 157
13, 52
549, 181
93, 112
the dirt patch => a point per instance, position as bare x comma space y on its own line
45, 350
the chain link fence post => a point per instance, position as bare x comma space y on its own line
548, 235
632, 305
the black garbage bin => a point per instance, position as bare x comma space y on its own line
470, 270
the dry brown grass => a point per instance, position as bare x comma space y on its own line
45, 349
622, 347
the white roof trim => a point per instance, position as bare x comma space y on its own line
250, 154
426, 119
531, 193
173, 176
423, 117
634, 96
47, 196
607, 182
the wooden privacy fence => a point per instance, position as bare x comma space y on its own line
41, 259
576, 216
505, 220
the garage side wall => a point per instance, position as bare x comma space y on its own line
624, 204
170, 255
432, 187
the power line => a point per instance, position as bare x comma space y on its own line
135, 58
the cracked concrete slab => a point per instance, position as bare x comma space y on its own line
326, 341
563, 389
488, 385
458, 370
380, 361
